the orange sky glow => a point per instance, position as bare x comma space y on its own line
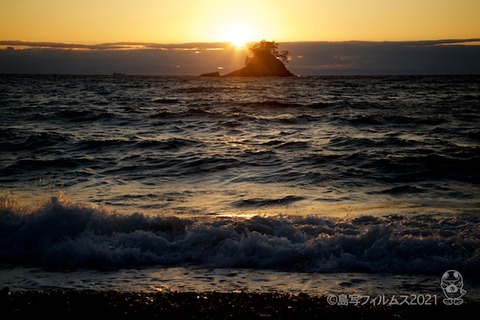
181, 21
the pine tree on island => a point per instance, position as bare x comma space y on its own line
265, 48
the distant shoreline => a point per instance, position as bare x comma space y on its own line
450, 56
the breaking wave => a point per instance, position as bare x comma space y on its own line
65, 234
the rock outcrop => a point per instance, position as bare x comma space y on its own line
211, 74
262, 64
264, 61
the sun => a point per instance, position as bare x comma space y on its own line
238, 33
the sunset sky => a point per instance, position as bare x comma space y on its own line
179, 21
177, 36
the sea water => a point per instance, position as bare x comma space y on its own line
315, 184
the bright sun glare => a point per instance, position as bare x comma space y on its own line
238, 33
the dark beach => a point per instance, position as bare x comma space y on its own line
81, 304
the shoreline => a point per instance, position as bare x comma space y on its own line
80, 304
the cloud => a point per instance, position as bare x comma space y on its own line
451, 56
126, 57
408, 57
114, 45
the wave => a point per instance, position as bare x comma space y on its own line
64, 234
260, 202
15, 141
84, 115
135, 143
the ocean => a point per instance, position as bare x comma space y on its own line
318, 185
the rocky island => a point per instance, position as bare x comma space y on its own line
264, 61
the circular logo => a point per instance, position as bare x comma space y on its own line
452, 286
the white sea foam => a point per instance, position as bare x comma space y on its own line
65, 235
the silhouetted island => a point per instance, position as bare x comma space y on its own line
264, 61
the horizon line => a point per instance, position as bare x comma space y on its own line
133, 45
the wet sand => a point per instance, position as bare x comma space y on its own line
84, 304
